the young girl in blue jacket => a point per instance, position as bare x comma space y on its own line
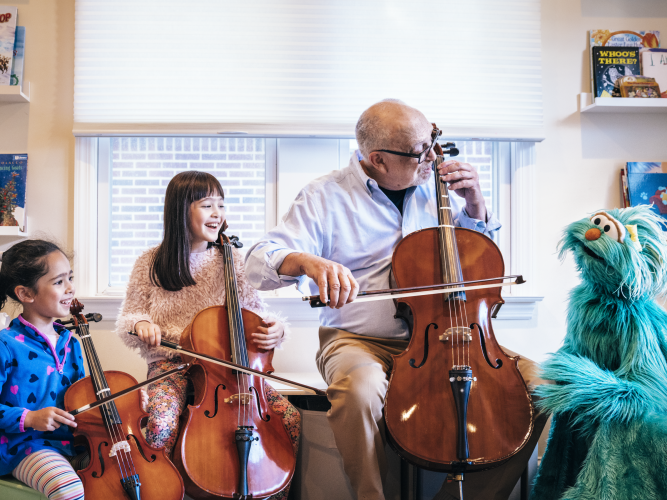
39, 360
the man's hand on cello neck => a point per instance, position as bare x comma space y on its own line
337, 285
464, 181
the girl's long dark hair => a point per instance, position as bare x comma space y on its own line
170, 268
23, 265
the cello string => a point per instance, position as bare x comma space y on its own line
453, 263
240, 335
446, 264
124, 460
96, 378
232, 310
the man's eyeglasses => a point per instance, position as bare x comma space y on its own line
421, 156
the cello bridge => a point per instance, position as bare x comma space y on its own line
244, 398
120, 446
463, 331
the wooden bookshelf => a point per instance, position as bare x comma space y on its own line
620, 105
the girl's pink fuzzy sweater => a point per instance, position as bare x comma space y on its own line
173, 311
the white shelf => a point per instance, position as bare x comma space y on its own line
621, 105
12, 231
14, 93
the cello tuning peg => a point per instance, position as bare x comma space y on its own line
234, 240
95, 317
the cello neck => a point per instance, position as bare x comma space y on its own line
100, 384
449, 252
236, 331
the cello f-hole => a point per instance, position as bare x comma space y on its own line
499, 362
141, 450
412, 361
99, 453
259, 410
208, 413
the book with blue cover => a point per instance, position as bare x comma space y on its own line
646, 167
19, 54
13, 175
8, 17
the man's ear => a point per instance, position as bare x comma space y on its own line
24, 294
375, 161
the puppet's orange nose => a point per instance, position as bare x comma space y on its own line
593, 234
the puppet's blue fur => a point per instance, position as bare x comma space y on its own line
608, 439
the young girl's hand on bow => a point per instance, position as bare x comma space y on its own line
148, 332
48, 419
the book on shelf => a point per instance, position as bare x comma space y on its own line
610, 64
13, 175
623, 184
8, 17
654, 64
646, 167
19, 54
625, 38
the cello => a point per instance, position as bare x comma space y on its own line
231, 444
122, 464
456, 402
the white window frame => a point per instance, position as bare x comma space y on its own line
515, 203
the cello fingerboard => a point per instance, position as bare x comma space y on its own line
236, 331
449, 253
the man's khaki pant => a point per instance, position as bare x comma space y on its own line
356, 369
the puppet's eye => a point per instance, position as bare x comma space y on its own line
607, 225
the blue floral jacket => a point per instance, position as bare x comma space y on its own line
34, 375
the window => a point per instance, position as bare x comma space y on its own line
133, 174
120, 183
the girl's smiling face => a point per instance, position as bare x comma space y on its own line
206, 218
53, 292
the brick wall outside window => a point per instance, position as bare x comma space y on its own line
143, 166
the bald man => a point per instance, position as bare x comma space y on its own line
341, 232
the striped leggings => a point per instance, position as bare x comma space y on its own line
50, 473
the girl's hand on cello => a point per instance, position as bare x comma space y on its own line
48, 419
269, 337
148, 332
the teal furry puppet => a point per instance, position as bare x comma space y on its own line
608, 437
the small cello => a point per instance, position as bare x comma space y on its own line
122, 464
231, 444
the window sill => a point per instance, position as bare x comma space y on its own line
515, 308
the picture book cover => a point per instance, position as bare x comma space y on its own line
646, 167
13, 174
19, 53
625, 38
610, 64
8, 17
647, 189
654, 64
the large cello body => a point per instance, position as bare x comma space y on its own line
456, 402
122, 464
231, 444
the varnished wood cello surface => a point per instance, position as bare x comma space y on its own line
122, 464
421, 414
230, 409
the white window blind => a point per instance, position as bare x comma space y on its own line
305, 67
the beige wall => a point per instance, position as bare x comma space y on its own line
43, 128
577, 164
